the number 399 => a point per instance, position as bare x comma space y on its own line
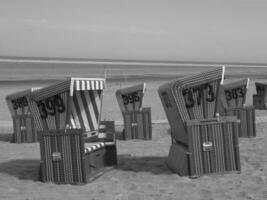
50, 106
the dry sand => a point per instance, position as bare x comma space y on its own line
141, 172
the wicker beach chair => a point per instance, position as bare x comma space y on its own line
66, 115
203, 142
232, 102
137, 120
260, 98
23, 126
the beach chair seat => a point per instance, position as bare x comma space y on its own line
233, 95
66, 158
67, 116
260, 98
199, 133
137, 120
24, 130
89, 147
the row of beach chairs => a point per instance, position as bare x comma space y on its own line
206, 114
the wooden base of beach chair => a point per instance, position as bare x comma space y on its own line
137, 125
247, 126
66, 159
24, 130
212, 148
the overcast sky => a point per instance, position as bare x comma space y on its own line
229, 31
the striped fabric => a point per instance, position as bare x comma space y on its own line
88, 84
93, 147
190, 97
62, 157
76, 102
213, 147
65, 158
85, 110
205, 109
71, 84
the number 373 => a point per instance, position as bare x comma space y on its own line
50, 106
189, 95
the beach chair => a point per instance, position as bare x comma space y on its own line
137, 120
260, 98
67, 116
23, 126
232, 102
203, 142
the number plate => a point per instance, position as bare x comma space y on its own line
195, 95
56, 156
207, 146
130, 98
234, 93
51, 106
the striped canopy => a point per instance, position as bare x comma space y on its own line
203, 89
72, 103
195, 96
18, 102
191, 97
233, 93
131, 98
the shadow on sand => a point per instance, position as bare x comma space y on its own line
6, 137
22, 168
29, 169
155, 165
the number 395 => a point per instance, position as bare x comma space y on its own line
130, 98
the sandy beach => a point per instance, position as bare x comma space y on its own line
141, 172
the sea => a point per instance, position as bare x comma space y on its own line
25, 70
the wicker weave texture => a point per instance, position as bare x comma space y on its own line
62, 157
214, 148
137, 125
24, 129
247, 126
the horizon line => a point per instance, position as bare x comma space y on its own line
124, 61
